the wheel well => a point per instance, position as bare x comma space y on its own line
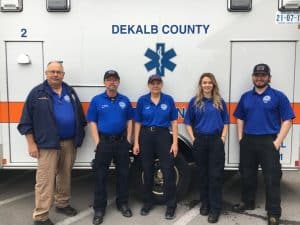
185, 148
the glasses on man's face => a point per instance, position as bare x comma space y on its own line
52, 72
111, 80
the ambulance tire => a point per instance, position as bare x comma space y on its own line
182, 174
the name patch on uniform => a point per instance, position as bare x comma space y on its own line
104, 106
43, 98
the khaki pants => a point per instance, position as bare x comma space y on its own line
53, 178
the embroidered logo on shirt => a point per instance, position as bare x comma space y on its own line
104, 106
163, 106
67, 98
147, 107
267, 98
43, 98
122, 105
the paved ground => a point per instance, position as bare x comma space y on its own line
17, 201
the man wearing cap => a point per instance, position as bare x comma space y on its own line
53, 123
155, 113
110, 120
264, 117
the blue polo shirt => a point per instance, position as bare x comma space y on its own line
110, 114
64, 114
160, 115
208, 120
263, 113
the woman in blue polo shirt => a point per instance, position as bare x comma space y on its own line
155, 113
207, 121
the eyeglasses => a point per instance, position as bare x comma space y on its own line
52, 72
110, 79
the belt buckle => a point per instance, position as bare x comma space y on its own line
152, 128
112, 138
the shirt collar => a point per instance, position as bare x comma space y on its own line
161, 97
106, 96
263, 93
207, 99
63, 91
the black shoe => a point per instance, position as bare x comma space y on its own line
213, 217
204, 209
146, 209
241, 207
68, 211
46, 222
170, 213
125, 210
273, 220
98, 217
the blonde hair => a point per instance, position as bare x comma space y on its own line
216, 97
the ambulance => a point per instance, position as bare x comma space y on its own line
178, 40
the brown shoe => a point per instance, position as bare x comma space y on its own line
68, 211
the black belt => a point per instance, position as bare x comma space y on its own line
260, 136
154, 128
112, 138
208, 135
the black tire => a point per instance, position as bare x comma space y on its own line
182, 173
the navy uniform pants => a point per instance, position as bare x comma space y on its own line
209, 155
258, 150
118, 150
157, 142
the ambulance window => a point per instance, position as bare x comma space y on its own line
58, 5
11, 5
289, 5
239, 5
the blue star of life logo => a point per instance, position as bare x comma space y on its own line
160, 59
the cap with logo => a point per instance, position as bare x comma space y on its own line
261, 69
153, 78
111, 73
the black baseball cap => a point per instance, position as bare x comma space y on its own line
261, 69
153, 78
111, 73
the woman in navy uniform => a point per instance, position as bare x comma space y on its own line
155, 113
207, 121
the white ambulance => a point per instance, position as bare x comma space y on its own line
176, 39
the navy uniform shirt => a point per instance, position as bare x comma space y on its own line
263, 113
207, 120
110, 114
64, 114
160, 115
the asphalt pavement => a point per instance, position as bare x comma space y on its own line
17, 202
